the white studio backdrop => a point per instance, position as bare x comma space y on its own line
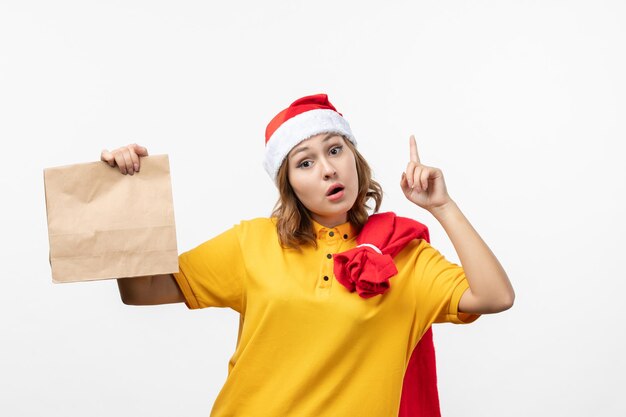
520, 103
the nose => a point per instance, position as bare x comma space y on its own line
328, 169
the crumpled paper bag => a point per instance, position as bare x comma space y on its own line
102, 224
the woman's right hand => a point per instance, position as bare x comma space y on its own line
126, 158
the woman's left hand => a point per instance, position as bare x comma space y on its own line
423, 185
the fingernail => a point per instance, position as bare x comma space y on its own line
136, 167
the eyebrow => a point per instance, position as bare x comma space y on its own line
306, 148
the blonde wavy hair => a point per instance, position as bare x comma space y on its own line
294, 222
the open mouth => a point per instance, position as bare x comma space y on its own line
334, 190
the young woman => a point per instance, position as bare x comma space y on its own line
314, 341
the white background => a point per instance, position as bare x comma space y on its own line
520, 103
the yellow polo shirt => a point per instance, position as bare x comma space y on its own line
307, 347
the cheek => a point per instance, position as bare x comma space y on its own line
300, 186
353, 174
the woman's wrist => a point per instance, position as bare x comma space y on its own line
444, 210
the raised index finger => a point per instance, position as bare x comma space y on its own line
414, 156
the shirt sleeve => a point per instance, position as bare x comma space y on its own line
439, 287
213, 273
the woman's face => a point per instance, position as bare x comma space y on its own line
322, 172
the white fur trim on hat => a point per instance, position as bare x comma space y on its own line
299, 128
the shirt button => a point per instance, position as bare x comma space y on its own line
329, 256
325, 278
331, 234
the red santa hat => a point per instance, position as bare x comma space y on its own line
304, 118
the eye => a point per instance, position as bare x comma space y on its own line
336, 150
304, 164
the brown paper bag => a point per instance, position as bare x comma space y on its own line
102, 224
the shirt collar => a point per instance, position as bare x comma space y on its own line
345, 231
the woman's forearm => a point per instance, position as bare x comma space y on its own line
491, 290
149, 290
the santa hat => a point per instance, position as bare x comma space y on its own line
304, 118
